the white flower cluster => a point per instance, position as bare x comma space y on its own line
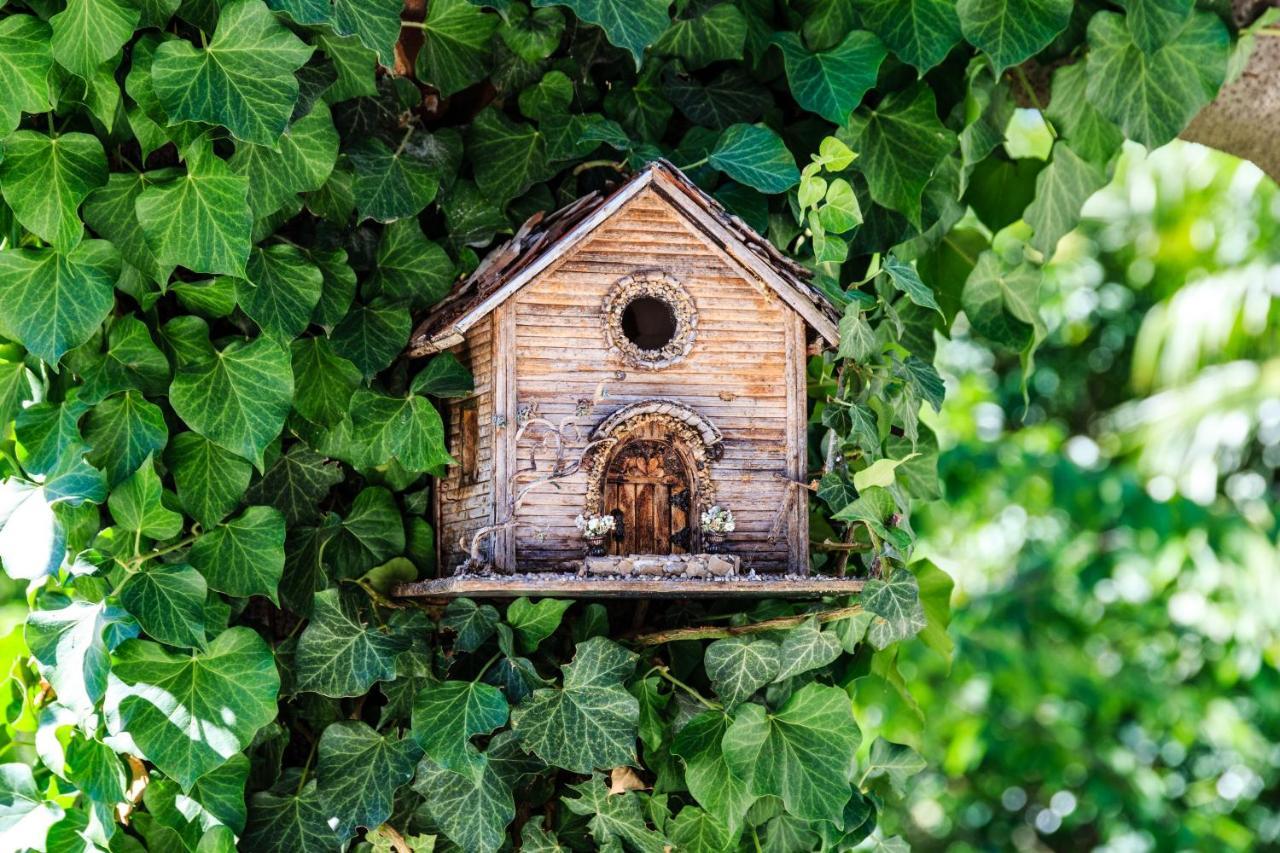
594, 525
718, 519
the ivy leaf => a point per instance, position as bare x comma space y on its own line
391, 185
807, 647
630, 24
894, 760
718, 33
716, 786
26, 67
935, 597
132, 361
447, 715
72, 644
410, 267
697, 831
189, 713
24, 813
1089, 133
280, 290
217, 797
93, 767
919, 32
756, 156
375, 22
168, 601
308, 151
243, 80
295, 822
471, 623
52, 302
45, 179
237, 398
997, 299
739, 666
591, 721
535, 839
295, 483
49, 433
200, 220
372, 335
531, 34
895, 600
803, 753
508, 157
444, 376
614, 819
905, 278
1155, 23
1061, 190
857, 338
1010, 31
900, 144
358, 772
831, 82
89, 32
535, 621
323, 379
339, 655
245, 556
455, 46
1153, 96
122, 431
407, 429
473, 812
209, 480
136, 505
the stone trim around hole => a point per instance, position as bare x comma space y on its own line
722, 566
660, 286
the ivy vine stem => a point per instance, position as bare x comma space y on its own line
665, 672
716, 632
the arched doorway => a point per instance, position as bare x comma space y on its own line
648, 489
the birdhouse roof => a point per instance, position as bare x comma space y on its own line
544, 238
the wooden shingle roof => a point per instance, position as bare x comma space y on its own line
543, 239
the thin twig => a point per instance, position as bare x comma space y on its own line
713, 632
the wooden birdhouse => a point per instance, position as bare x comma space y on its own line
638, 423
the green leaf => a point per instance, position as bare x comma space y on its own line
280, 290
24, 813
45, 179
447, 715
472, 812
123, 431
591, 721
1010, 31
1089, 133
355, 64
535, 839
132, 361
455, 46
919, 32
879, 473
200, 220
372, 335
358, 772
803, 753
535, 621
894, 760
72, 644
375, 22
48, 433
905, 278
508, 157
406, 429
89, 32
756, 156
831, 82
900, 144
840, 211
532, 34
895, 600
243, 80
136, 505
209, 480
391, 185
33, 541
470, 623
295, 483
295, 822
189, 713
739, 666
308, 151
217, 797
718, 33
807, 647
93, 767
997, 299
444, 376
26, 68
857, 338
52, 302
1153, 96
245, 556
615, 819
716, 787
168, 601
698, 831
339, 655
324, 381
17, 387
935, 597
237, 398
410, 267
1061, 190
630, 24
1155, 23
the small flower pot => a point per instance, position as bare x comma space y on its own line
596, 546
713, 543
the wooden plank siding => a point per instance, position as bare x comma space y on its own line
738, 375
464, 506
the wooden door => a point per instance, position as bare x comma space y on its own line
647, 490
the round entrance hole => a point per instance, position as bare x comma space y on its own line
648, 322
